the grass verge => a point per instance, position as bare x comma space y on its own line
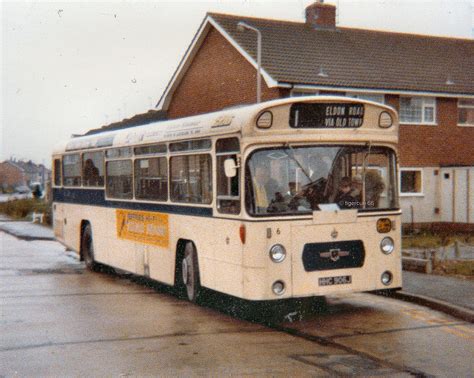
22, 208
432, 240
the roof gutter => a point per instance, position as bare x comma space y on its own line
303, 87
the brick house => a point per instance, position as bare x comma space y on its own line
429, 80
11, 175
22, 173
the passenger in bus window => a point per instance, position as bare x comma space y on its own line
374, 187
265, 188
295, 197
356, 188
91, 173
344, 198
278, 204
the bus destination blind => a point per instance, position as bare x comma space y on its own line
325, 116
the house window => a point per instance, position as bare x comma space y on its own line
411, 181
420, 110
465, 112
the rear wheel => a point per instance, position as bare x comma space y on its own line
190, 273
87, 247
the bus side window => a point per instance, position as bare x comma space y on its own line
191, 178
119, 179
228, 191
93, 168
57, 172
151, 179
72, 170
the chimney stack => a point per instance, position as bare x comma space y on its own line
321, 16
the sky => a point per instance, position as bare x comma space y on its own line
68, 67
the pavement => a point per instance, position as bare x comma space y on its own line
451, 295
26, 230
448, 294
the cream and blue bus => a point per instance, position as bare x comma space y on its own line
289, 198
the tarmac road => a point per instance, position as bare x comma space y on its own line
58, 319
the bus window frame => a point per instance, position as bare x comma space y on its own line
55, 171
106, 194
148, 157
80, 170
247, 186
238, 156
211, 154
103, 169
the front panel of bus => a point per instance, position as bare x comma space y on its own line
321, 198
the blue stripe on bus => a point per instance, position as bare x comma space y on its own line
96, 197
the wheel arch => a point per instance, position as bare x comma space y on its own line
180, 246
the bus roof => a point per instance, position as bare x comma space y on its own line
221, 122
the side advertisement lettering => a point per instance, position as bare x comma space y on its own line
143, 226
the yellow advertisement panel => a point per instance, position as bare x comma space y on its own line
143, 226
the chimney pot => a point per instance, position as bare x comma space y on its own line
321, 16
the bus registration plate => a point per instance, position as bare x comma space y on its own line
337, 280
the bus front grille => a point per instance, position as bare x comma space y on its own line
333, 255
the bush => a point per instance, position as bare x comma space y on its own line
21, 208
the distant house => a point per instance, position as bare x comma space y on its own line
11, 175
429, 80
34, 173
23, 173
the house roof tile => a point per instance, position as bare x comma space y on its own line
295, 53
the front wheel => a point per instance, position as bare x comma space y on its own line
87, 246
190, 273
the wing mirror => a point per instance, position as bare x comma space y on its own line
230, 167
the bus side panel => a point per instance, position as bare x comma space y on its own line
67, 227
259, 270
218, 247
58, 221
72, 216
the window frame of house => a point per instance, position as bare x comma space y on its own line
366, 95
463, 106
302, 93
420, 193
424, 105
358, 95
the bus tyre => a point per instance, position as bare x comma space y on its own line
190, 273
88, 248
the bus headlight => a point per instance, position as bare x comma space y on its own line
278, 287
387, 245
277, 253
386, 278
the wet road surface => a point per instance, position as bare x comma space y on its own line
58, 319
